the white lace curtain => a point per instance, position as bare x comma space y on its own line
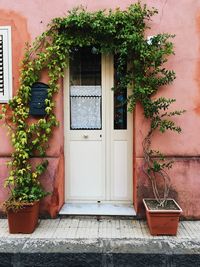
85, 107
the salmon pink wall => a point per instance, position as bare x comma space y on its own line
182, 18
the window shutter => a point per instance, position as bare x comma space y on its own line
5, 64
1, 66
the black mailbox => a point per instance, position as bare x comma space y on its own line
39, 93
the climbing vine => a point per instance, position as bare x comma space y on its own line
117, 32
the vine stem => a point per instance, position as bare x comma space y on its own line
148, 168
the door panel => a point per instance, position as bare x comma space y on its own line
121, 143
85, 130
86, 170
120, 182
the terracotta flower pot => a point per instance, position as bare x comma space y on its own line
24, 220
162, 221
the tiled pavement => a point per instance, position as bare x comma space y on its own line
89, 228
88, 242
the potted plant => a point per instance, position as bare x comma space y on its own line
22, 205
29, 137
162, 212
25, 189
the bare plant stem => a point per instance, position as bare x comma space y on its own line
153, 175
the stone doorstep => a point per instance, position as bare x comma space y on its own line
98, 209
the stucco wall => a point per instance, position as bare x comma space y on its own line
30, 18
181, 18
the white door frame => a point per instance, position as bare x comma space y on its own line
111, 138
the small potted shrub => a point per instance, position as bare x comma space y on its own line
162, 212
22, 205
29, 139
158, 112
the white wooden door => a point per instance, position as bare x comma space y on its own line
98, 154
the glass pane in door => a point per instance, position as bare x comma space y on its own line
85, 90
120, 100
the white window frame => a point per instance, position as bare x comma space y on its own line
5, 31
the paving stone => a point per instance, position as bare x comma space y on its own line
104, 242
